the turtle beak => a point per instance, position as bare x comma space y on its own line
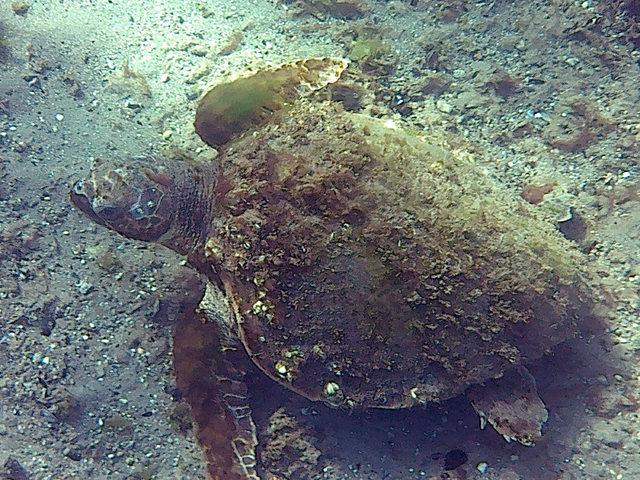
80, 196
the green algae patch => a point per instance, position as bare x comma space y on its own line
366, 49
230, 109
370, 52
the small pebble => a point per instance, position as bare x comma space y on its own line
454, 459
20, 8
482, 467
14, 470
84, 287
444, 106
167, 134
73, 454
59, 117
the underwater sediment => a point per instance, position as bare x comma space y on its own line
366, 265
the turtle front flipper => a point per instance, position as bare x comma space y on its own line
511, 405
210, 376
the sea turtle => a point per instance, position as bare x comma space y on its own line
365, 267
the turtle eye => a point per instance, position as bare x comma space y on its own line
78, 187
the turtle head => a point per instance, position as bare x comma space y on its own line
132, 199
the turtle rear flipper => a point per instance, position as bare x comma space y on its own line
511, 405
210, 376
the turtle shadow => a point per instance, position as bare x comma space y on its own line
579, 382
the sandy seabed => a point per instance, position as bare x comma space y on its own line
546, 96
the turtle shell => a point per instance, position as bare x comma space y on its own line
369, 267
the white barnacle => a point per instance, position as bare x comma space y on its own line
331, 388
257, 307
262, 306
282, 369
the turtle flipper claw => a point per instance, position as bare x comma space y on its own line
512, 406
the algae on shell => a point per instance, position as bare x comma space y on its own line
233, 107
411, 271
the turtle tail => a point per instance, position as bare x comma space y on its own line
209, 377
